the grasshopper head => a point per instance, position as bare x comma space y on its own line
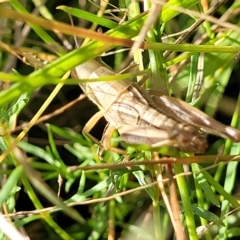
192, 142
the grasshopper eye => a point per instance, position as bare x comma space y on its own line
131, 94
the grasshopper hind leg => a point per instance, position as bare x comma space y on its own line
106, 141
188, 139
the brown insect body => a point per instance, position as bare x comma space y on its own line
132, 111
145, 120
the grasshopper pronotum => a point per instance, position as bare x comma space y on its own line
144, 120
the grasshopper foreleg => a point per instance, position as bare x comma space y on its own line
104, 144
106, 141
89, 126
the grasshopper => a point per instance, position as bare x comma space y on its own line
142, 119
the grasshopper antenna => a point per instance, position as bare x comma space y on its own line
74, 36
73, 72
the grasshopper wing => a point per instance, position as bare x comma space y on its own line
184, 112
